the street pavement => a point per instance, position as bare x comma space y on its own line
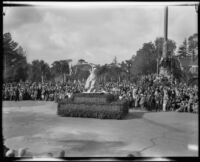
36, 126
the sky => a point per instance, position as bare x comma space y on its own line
96, 34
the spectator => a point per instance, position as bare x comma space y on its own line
137, 99
165, 99
142, 101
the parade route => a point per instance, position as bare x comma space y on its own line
36, 126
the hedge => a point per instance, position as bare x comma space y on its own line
114, 110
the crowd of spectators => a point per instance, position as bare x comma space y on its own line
150, 92
40, 91
160, 94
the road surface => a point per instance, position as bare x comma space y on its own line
35, 125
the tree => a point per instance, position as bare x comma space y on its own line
39, 71
61, 68
126, 69
193, 45
45, 70
114, 72
114, 61
81, 61
145, 60
81, 74
103, 72
171, 46
15, 63
183, 52
176, 71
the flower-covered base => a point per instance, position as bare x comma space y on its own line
93, 105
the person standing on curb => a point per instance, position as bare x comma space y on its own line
165, 99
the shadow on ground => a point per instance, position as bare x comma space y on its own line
135, 115
24, 103
91, 147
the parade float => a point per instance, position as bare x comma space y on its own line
93, 103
